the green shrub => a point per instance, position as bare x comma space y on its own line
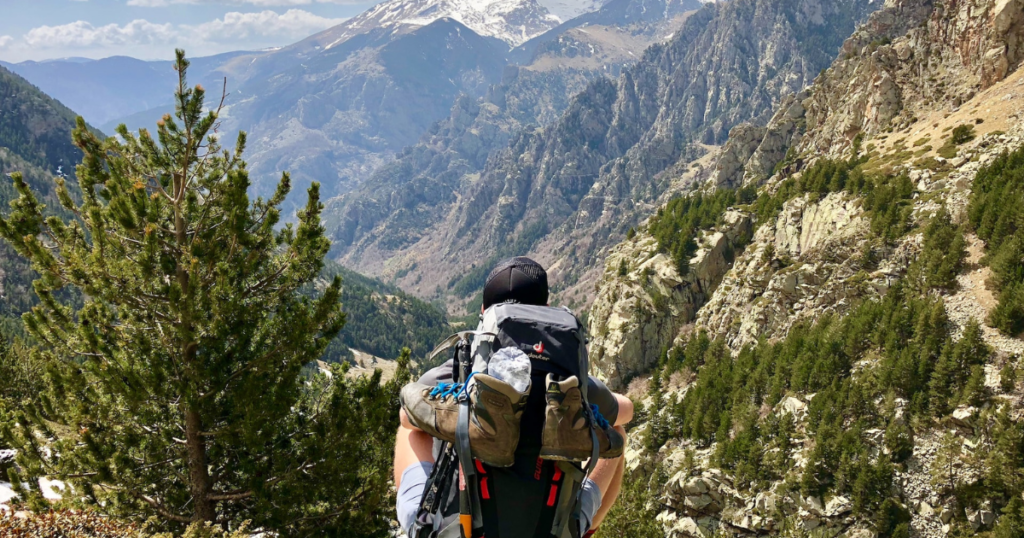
1008, 377
636, 512
892, 519
962, 134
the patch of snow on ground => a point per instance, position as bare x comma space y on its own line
6, 495
52, 489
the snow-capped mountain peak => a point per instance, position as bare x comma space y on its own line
512, 21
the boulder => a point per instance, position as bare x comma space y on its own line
793, 406
717, 476
689, 527
837, 506
765, 502
813, 505
962, 415
980, 519
699, 502
695, 486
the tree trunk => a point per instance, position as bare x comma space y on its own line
199, 473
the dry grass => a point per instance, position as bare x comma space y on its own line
988, 111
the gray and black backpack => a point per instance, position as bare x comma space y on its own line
534, 497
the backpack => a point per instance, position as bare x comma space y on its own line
534, 498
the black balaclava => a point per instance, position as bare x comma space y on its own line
516, 280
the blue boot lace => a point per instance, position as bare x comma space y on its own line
599, 418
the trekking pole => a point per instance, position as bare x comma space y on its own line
469, 496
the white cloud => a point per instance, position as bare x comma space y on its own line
5, 41
233, 28
294, 23
84, 34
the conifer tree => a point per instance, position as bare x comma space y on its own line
943, 252
176, 389
1011, 524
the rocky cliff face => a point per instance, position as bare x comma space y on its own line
903, 83
566, 192
806, 263
644, 301
909, 60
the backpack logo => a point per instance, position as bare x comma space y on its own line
539, 348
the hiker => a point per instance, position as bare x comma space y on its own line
533, 439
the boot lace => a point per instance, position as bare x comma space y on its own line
598, 417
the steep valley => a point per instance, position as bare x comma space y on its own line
567, 192
834, 354
794, 230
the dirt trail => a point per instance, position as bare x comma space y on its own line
975, 300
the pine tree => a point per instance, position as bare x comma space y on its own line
1011, 524
975, 392
178, 384
945, 469
943, 252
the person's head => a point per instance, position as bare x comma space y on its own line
516, 280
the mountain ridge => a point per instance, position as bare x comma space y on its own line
595, 172
816, 354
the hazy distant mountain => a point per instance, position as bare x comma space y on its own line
336, 115
35, 140
104, 91
563, 193
336, 106
406, 196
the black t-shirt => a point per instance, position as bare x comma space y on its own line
520, 490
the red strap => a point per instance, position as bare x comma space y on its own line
558, 474
484, 492
480, 467
589, 533
553, 495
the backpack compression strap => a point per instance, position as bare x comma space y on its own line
435, 492
568, 508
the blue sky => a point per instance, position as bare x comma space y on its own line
151, 29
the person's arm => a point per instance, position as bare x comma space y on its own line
412, 445
406, 423
616, 408
625, 412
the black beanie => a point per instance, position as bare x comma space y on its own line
516, 280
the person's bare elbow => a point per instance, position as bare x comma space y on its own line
406, 423
625, 414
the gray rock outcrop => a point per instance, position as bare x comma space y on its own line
638, 314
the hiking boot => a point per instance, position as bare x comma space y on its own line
495, 410
567, 429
